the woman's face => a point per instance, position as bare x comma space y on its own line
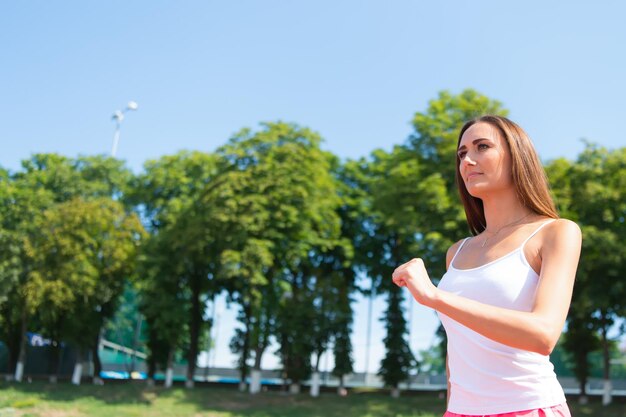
485, 160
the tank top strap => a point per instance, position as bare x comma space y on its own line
459, 250
535, 232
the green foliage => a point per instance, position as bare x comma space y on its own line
80, 258
399, 361
275, 203
29, 199
580, 340
180, 260
342, 347
431, 361
591, 192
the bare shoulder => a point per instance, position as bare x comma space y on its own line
563, 229
560, 253
562, 234
452, 250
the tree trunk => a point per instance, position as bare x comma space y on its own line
607, 391
255, 376
294, 388
169, 373
21, 361
341, 390
11, 360
194, 332
315, 384
78, 368
285, 360
318, 357
13, 334
582, 399
151, 370
245, 353
95, 356
53, 361
255, 381
258, 355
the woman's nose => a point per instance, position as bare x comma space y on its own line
467, 160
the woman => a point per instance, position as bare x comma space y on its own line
504, 298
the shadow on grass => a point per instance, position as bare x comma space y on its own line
229, 400
130, 393
277, 404
226, 400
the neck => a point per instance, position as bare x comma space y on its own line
502, 209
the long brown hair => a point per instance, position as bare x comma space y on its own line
528, 175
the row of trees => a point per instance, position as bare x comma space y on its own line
286, 229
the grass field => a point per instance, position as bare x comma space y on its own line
134, 399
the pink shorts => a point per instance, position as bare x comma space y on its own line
560, 410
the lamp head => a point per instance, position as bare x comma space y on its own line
118, 116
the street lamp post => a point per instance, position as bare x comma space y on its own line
118, 117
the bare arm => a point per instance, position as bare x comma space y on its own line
537, 330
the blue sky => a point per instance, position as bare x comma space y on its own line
355, 71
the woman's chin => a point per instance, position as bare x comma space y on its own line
476, 192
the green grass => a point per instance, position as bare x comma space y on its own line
134, 399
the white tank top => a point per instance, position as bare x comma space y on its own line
487, 377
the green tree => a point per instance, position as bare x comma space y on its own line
581, 338
399, 359
183, 254
163, 300
348, 259
19, 207
240, 200
282, 171
335, 281
598, 199
431, 361
579, 341
81, 256
342, 344
25, 195
391, 243
44, 180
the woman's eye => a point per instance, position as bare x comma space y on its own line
482, 146
461, 154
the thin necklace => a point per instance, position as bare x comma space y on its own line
502, 227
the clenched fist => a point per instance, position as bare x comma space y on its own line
413, 275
